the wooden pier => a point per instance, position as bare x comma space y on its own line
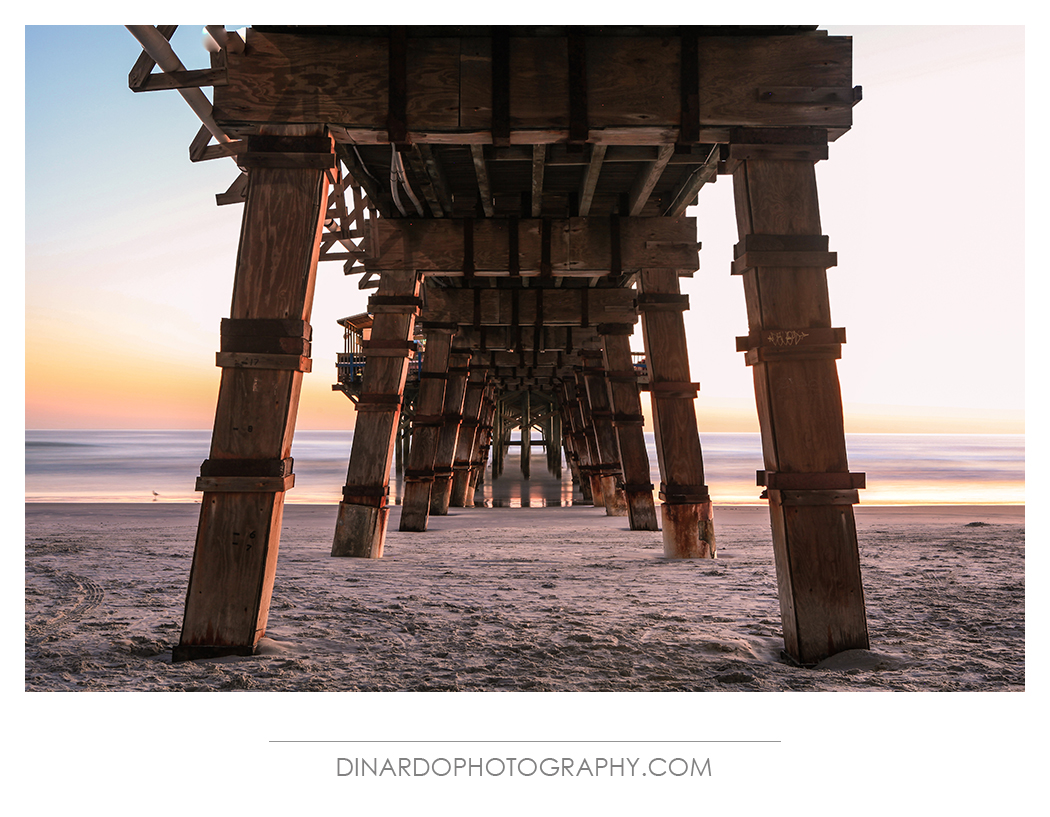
516, 197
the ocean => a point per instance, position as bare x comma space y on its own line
162, 466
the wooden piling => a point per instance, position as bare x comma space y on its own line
791, 347
592, 378
468, 442
426, 429
452, 417
361, 521
265, 349
628, 422
590, 470
686, 533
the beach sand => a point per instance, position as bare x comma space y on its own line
559, 599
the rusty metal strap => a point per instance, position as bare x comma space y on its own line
633, 487
395, 300
776, 250
790, 338
265, 327
379, 402
265, 336
677, 494
421, 420
263, 360
352, 491
245, 485
246, 467
670, 388
381, 347
663, 301
303, 152
819, 481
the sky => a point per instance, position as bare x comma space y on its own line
129, 263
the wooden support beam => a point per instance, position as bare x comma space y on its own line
684, 194
590, 179
426, 431
583, 247
249, 466
592, 467
539, 164
436, 176
688, 523
197, 78
810, 489
377, 192
143, 67
647, 180
518, 308
626, 406
425, 183
467, 443
483, 441
526, 434
452, 416
477, 153
361, 523
345, 80
582, 458
493, 339
236, 193
592, 378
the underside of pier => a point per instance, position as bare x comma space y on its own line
516, 196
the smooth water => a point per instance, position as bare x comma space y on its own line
162, 466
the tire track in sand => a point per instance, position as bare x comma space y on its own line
74, 597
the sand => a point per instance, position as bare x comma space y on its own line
526, 599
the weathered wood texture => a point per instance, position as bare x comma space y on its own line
445, 455
490, 341
577, 434
593, 379
674, 417
800, 413
426, 430
628, 421
591, 466
572, 246
238, 534
468, 443
378, 413
632, 91
527, 307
